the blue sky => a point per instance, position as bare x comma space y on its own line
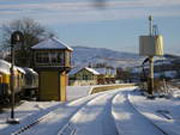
113, 24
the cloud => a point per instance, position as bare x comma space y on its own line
91, 5
70, 12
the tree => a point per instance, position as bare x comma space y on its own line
33, 33
124, 75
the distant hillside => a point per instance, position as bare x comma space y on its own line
170, 56
83, 56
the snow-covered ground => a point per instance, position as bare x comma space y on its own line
123, 111
165, 113
27, 113
128, 120
74, 92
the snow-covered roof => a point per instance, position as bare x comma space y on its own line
30, 70
77, 69
92, 71
5, 66
21, 70
52, 43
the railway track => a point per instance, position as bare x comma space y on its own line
98, 118
153, 124
108, 113
122, 108
75, 126
72, 107
159, 115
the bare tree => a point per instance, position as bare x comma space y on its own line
33, 33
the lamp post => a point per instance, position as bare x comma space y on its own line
16, 37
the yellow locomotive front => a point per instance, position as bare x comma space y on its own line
5, 79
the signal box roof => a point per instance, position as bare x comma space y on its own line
51, 43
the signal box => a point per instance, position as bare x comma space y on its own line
52, 60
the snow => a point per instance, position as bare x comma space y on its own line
88, 120
122, 111
77, 69
83, 56
30, 70
74, 92
163, 112
58, 118
170, 74
92, 71
21, 70
26, 113
52, 43
5, 66
174, 92
127, 118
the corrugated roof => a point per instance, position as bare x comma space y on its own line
52, 43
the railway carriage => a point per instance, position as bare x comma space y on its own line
25, 80
31, 83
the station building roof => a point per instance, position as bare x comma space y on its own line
76, 70
51, 43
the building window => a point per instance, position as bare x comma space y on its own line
53, 58
85, 77
50, 58
42, 57
60, 58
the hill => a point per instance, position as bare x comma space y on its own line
83, 56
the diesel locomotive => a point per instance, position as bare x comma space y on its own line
25, 82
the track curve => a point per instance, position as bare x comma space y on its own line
106, 113
129, 121
93, 118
